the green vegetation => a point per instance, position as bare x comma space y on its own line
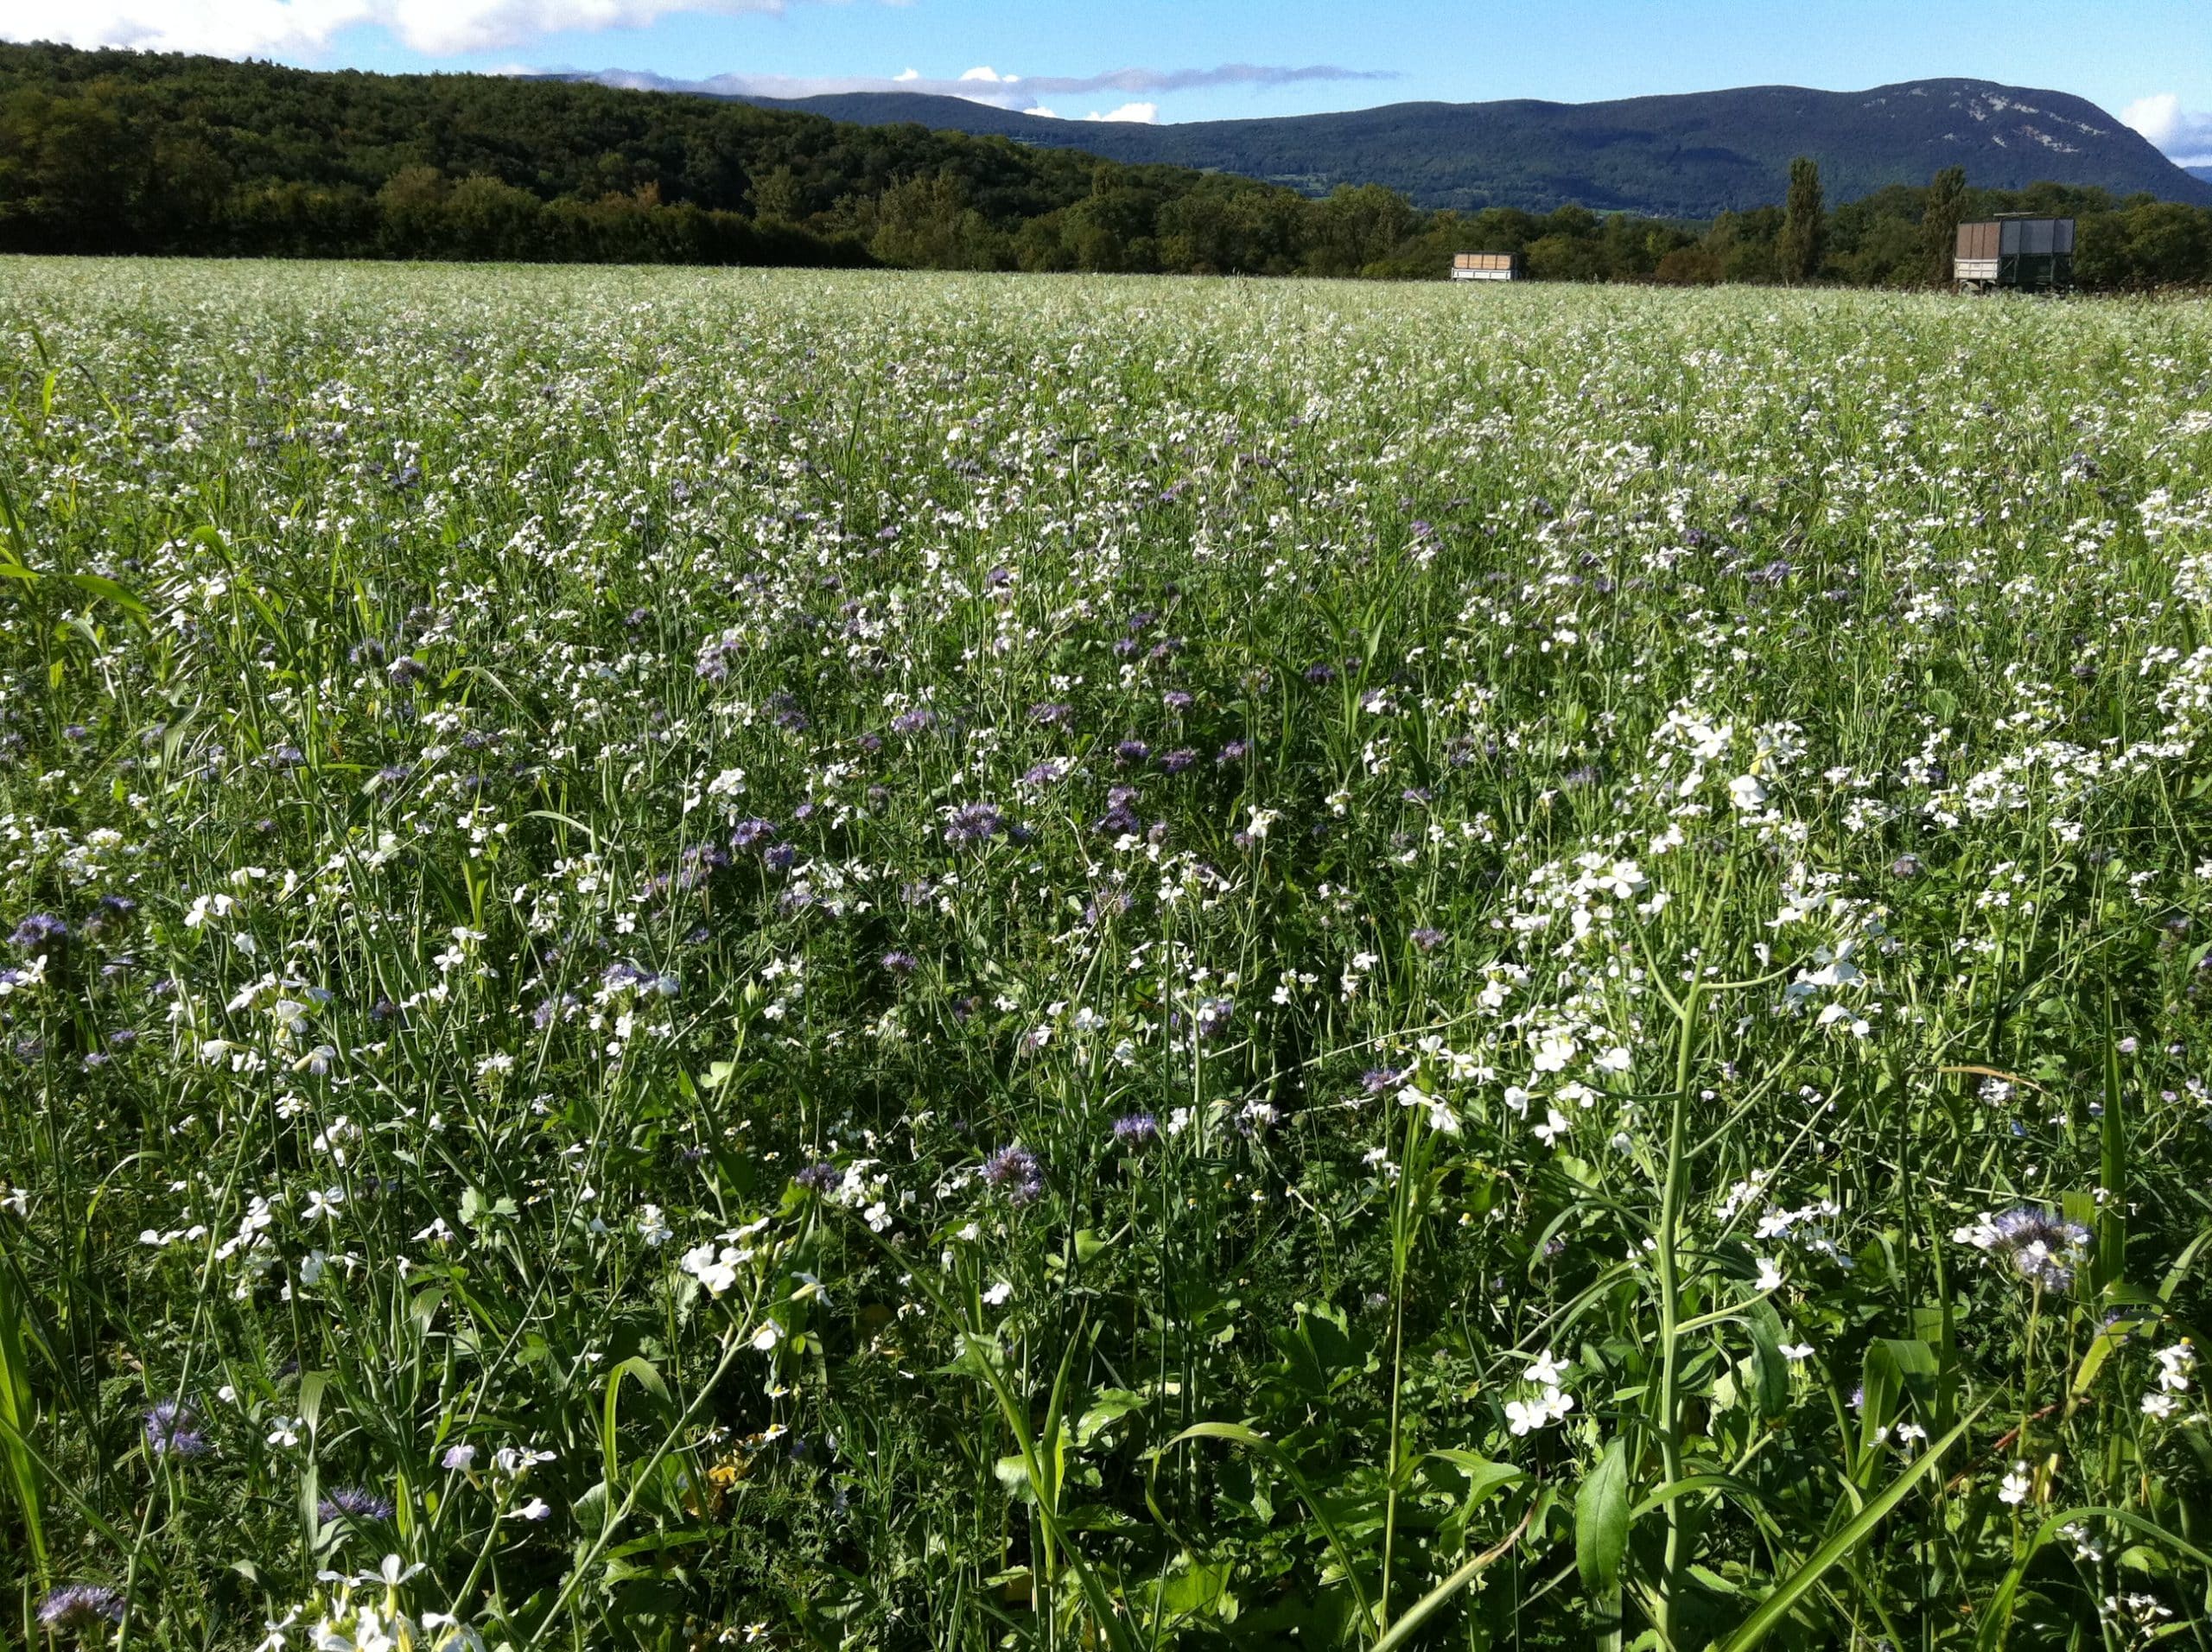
854, 960
124, 153
1689, 155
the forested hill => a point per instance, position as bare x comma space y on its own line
132, 153
1686, 156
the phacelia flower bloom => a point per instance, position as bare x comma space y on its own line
1052, 715
901, 963
751, 834
1375, 1080
973, 822
1014, 1172
1235, 751
913, 722
1428, 939
1135, 1129
1131, 751
1214, 1018
354, 1503
173, 1430
1176, 761
819, 1178
39, 931
2041, 1248
80, 1608
1905, 865
1176, 700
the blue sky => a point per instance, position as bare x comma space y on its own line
1163, 59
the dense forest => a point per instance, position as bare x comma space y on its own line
120, 152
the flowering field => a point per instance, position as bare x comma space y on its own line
941, 962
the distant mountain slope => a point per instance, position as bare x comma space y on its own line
1688, 156
2204, 173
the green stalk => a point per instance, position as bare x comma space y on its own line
1670, 1331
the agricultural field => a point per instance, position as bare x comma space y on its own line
863, 961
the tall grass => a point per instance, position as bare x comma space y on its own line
895, 961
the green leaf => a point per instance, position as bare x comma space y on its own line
122, 596
15, 1409
1601, 1520
648, 1379
1769, 1612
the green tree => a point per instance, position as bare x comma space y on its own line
1939, 222
1804, 234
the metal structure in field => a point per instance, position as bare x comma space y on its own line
1488, 266
2018, 250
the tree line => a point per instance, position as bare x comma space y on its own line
121, 152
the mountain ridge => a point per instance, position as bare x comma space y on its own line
1686, 155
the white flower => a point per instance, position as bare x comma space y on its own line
1545, 1371
536, 1509
1553, 1127
2159, 1405
284, 1431
2175, 1366
651, 1228
1746, 793
1550, 1407
1769, 1277
1795, 1352
2016, 1484
997, 1295
717, 1271
768, 1336
323, 1204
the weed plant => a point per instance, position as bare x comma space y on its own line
859, 961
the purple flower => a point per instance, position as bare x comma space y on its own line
1176, 700
1050, 772
1120, 816
901, 963
819, 1178
1176, 761
39, 931
2042, 1247
1375, 1080
1905, 865
1135, 1129
1214, 1017
751, 834
1428, 939
1322, 672
1052, 713
778, 857
352, 1502
1235, 751
1014, 1172
913, 722
973, 822
1131, 751
173, 1430
80, 1608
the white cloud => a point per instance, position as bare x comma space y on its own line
1042, 113
907, 74
2184, 135
239, 27
1146, 112
984, 73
